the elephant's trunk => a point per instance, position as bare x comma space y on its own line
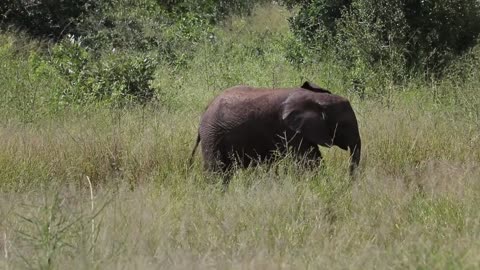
355, 151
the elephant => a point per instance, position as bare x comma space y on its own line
245, 126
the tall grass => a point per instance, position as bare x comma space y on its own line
414, 204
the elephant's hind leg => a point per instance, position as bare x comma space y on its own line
219, 164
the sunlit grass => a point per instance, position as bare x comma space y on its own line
414, 204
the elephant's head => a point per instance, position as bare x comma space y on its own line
324, 119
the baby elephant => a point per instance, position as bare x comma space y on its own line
246, 125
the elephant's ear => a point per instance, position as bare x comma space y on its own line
307, 118
313, 87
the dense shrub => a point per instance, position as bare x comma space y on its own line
171, 28
420, 34
115, 78
370, 38
316, 20
143, 27
213, 10
44, 18
441, 29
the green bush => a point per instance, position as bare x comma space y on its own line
145, 27
123, 78
370, 39
171, 28
44, 18
424, 35
116, 78
441, 29
315, 22
213, 10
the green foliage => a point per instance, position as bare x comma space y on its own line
117, 77
316, 20
172, 29
145, 27
459, 89
441, 29
123, 24
213, 10
369, 40
465, 68
45, 18
27, 83
424, 35
122, 77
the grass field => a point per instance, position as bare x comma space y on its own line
96, 187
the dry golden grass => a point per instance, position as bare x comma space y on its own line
414, 205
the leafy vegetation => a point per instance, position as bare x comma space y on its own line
50, 19
419, 35
96, 128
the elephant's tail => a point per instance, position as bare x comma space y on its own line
190, 161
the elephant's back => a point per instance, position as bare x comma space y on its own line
247, 97
244, 102
249, 91
237, 108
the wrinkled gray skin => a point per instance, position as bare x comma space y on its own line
246, 125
